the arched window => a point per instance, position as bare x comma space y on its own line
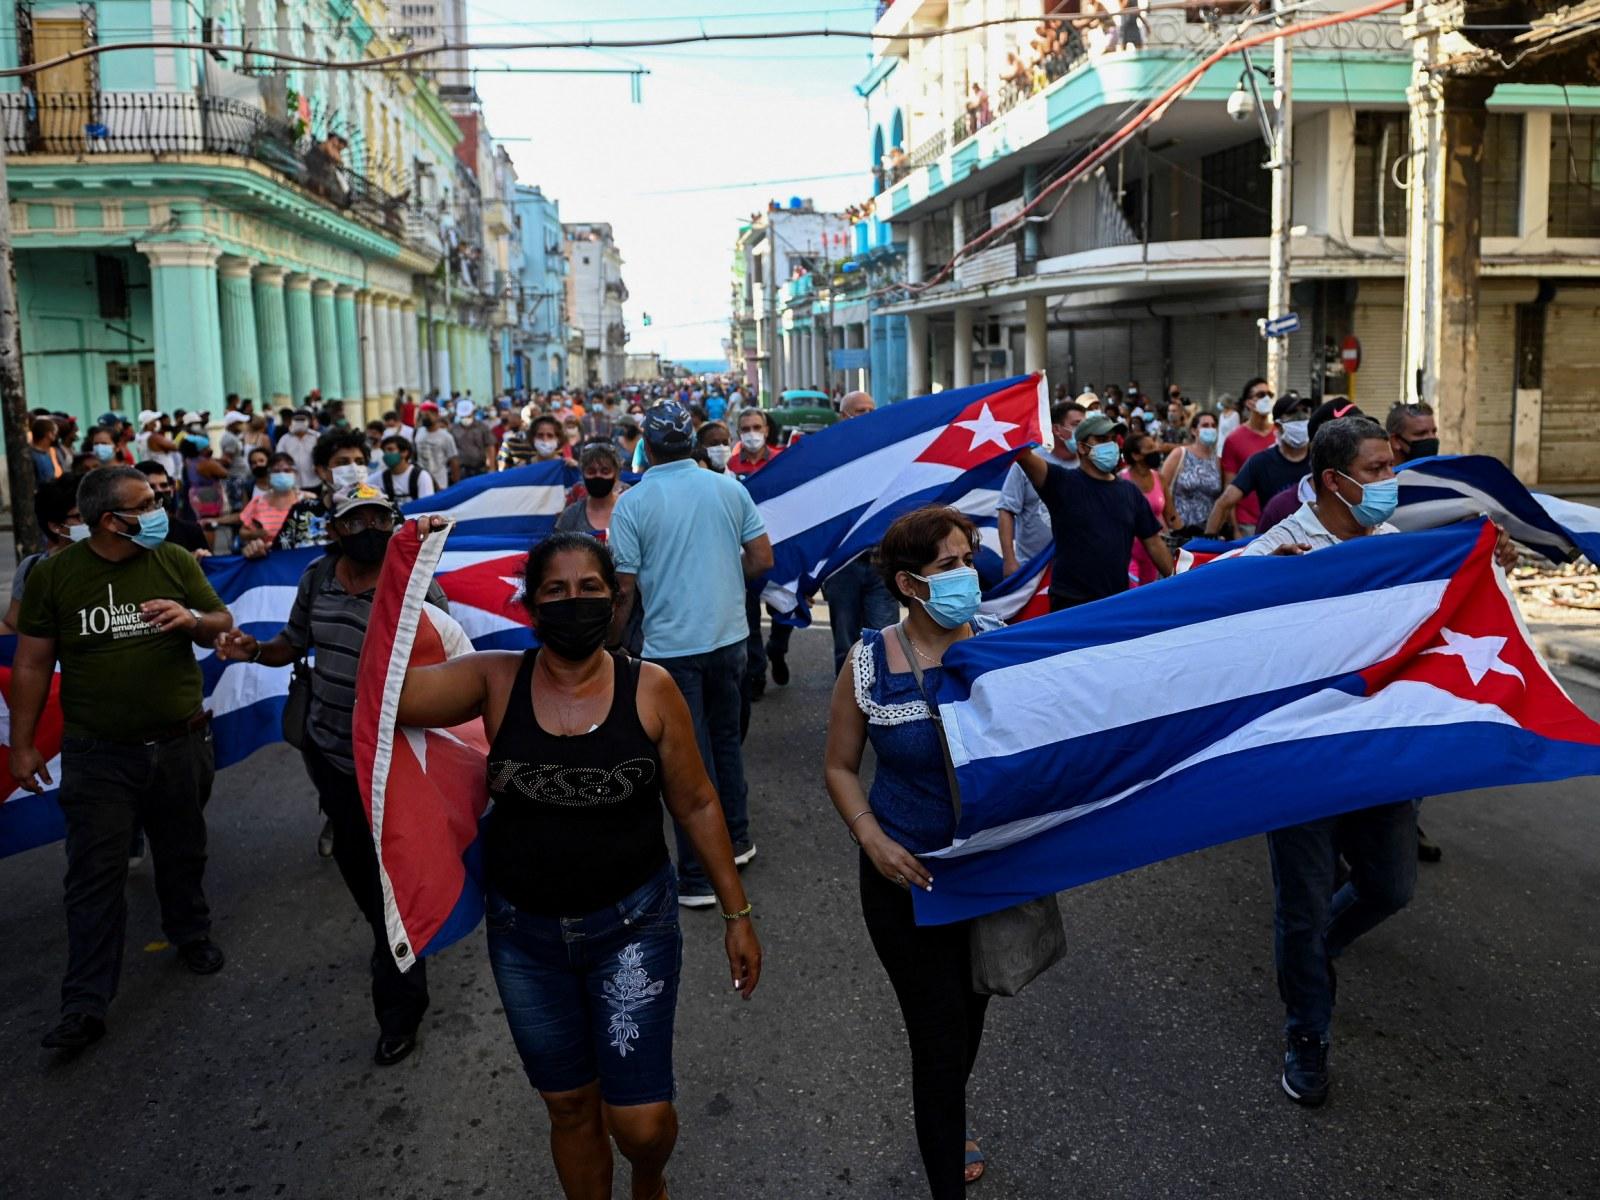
897, 135
877, 148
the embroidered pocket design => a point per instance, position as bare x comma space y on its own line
629, 990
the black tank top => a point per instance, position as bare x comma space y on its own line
576, 823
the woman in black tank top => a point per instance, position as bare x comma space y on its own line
582, 915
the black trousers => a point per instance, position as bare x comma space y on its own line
931, 972
398, 999
108, 789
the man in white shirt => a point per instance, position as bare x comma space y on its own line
1023, 519
298, 444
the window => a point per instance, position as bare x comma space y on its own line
1236, 196
1502, 175
1382, 140
1574, 176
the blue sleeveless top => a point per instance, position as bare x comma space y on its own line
910, 794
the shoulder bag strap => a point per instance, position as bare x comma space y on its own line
916, 673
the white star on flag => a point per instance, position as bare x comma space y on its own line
986, 429
1479, 655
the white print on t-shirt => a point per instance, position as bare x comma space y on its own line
119, 620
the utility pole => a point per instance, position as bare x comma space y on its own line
1282, 167
19, 459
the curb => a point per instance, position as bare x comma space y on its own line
1576, 658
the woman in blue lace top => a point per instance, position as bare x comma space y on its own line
926, 559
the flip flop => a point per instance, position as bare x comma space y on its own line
975, 1157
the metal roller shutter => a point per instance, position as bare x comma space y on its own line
1101, 355
1380, 325
1149, 361
1497, 340
1239, 353
1192, 359
1569, 434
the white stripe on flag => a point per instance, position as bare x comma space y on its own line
530, 500
1321, 639
848, 486
1404, 704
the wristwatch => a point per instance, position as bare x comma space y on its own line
197, 615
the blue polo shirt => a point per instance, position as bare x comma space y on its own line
681, 531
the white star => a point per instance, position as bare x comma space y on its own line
1479, 655
986, 429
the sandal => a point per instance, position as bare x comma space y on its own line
975, 1158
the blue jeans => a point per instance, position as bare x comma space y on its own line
593, 997
857, 599
710, 683
1312, 924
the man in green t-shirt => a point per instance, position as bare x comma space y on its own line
121, 611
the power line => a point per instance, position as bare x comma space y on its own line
732, 187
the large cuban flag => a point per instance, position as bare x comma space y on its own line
481, 574
1436, 491
829, 497
1257, 693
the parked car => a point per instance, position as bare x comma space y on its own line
800, 411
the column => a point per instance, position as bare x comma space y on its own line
917, 354
370, 394
963, 346
272, 337
1035, 346
302, 337
349, 341
241, 362
383, 334
441, 357
460, 360
327, 334
411, 376
397, 340
188, 325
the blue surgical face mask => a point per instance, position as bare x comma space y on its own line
281, 481
79, 532
152, 528
1106, 456
1208, 435
953, 596
1378, 501
199, 439
104, 452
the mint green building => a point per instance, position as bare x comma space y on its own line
185, 227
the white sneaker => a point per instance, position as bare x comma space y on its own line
697, 899
740, 857
325, 840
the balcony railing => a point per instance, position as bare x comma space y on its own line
157, 123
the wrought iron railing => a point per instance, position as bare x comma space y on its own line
157, 123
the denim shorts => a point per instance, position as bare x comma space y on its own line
593, 997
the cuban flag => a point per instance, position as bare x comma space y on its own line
1436, 491
1258, 693
28, 819
1023, 595
522, 502
425, 789
828, 499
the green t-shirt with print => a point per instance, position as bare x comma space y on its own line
121, 677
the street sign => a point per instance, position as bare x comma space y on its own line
1280, 326
1350, 354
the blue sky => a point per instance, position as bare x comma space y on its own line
712, 116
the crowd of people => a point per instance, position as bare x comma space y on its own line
652, 649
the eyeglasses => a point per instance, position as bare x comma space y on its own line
366, 517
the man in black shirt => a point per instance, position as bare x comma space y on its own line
1096, 517
1268, 472
180, 530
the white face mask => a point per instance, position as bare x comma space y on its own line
467, 420
349, 475
79, 532
1295, 434
1264, 406
299, 425
718, 456
544, 447
752, 441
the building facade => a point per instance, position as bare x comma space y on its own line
595, 295
540, 342
187, 226
1154, 268
434, 23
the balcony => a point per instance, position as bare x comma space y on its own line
93, 124
498, 219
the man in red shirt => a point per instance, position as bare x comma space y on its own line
755, 448
1249, 439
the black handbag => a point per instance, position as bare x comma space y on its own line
1013, 947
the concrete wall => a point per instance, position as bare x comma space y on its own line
67, 343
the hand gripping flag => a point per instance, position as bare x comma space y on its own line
1255, 694
424, 789
828, 498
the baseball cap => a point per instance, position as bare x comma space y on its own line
1290, 402
147, 415
464, 408
1097, 424
109, 420
1332, 410
667, 425
232, 416
359, 495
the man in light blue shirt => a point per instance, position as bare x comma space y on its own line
690, 540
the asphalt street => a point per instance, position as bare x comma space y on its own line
1465, 1053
